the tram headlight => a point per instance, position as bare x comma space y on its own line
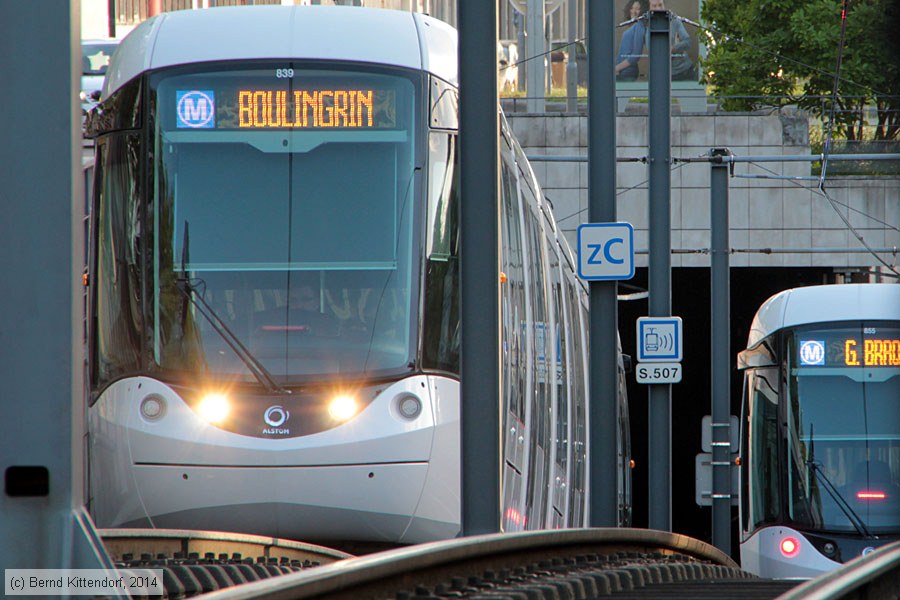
790, 547
343, 407
214, 408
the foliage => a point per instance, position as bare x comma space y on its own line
778, 52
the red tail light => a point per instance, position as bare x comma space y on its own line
871, 495
790, 547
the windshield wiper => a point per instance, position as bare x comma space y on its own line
184, 285
845, 507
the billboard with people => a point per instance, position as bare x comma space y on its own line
632, 40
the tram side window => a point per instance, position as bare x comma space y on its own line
539, 329
440, 345
540, 407
562, 371
763, 463
514, 293
579, 454
117, 321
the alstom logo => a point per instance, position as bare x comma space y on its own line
275, 416
196, 109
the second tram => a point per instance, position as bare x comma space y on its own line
820, 436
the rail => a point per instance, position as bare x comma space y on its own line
126, 544
573, 563
197, 562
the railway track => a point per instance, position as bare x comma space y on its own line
198, 562
584, 564
564, 564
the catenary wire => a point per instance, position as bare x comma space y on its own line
837, 79
837, 202
834, 93
834, 205
619, 192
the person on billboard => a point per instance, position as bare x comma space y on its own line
683, 68
631, 47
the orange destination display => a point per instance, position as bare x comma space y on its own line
874, 353
876, 347
309, 109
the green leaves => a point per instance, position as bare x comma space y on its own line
778, 52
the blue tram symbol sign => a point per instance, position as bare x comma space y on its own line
195, 109
605, 251
659, 339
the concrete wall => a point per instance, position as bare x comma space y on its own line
764, 213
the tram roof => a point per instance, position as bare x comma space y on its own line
825, 303
370, 35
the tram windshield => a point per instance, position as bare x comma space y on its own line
844, 428
284, 202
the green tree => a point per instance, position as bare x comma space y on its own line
778, 52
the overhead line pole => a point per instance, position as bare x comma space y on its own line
572, 65
720, 349
535, 46
660, 265
603, 414
479, 130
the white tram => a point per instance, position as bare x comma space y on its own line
274, 275
820, 436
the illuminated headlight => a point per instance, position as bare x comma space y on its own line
153, 407
342, 408
409, 406
214, 408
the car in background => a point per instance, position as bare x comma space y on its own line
95, 55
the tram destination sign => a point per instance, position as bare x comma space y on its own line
267, 108
876, 347
346, 109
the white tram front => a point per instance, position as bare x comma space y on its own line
274, 306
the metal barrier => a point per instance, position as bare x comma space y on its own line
873, 577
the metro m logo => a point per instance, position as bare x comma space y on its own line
195, 109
